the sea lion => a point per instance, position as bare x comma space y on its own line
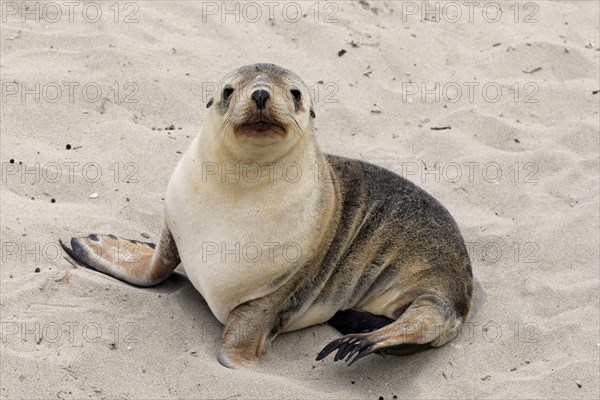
278, 236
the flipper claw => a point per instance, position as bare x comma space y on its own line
347, 347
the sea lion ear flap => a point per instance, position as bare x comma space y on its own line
210, 102
312, 112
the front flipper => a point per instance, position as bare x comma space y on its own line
248, 328
131, 261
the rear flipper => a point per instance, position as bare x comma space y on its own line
131, 261
429, 321
356, 321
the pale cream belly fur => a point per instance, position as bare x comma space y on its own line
233, 248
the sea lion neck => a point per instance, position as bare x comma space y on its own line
259, 167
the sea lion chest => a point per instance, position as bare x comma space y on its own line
237, 244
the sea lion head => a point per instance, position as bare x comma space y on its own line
261, 108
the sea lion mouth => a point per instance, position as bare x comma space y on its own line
261, 127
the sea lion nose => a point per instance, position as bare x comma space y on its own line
260, 98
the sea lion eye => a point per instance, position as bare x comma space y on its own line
227, 92
297, 95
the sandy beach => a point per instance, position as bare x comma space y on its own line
493, 108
